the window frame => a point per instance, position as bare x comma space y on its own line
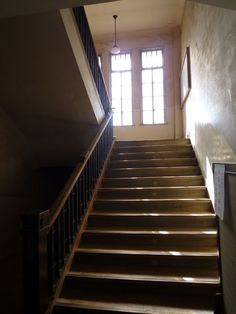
128, 51
164, 86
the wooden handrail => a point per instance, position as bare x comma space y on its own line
61, 199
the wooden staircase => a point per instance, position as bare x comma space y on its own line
150, 240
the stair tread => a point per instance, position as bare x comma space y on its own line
157, 177
145, 278
150, 252
128, 307
153, 159
147, 214
153, 188
153, 167
122, 200
207, 232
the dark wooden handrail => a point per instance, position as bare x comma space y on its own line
61, 199
92, 57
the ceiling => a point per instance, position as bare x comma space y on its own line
134, 15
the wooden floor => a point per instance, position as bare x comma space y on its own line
150, 242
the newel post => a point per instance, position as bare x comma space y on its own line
35, 230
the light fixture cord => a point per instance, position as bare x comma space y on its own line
115, 17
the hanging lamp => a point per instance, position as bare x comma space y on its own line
115, 49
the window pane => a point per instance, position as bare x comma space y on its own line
121, 88
159, 116
152, 59
147, 117
116, 92
126, 105
158, 89
117, 118
147, 90
115, 79
147, 76
116, 88
116, 104
127, 118
157, 75
147, 103
126, 85
158, 103
159, 58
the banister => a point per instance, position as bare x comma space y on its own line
49, 235
61, 199
92, 57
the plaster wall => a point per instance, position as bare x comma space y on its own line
169, 41
43, 87
15, 196
12, 8
210, 113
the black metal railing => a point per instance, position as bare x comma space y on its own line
50, 235
89, 48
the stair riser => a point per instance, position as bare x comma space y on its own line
150, 172
152, 142
146, 264
153, 194
153, 148
153, 206
152, 155
150, 222
153, 182
113, 290
151, 241
154, 163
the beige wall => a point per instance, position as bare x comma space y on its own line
210, 111
169, 41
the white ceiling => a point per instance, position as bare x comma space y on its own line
134, 15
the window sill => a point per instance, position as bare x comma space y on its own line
156, 124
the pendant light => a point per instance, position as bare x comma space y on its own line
115, 49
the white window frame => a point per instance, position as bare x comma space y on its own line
142, 97
122, 112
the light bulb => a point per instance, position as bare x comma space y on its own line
115, 50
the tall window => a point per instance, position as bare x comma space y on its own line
152, 87
121, 89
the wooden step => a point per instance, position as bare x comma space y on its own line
197, 305
152, 155
153, 192
152, 148
182, 264
153, 205
164, 162
160, 181
182, 141
152, 171
150, 240
145, 221
132, 288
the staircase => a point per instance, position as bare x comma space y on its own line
150, 242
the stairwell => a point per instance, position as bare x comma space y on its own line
150, 241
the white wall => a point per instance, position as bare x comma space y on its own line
210, 111
169, 41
